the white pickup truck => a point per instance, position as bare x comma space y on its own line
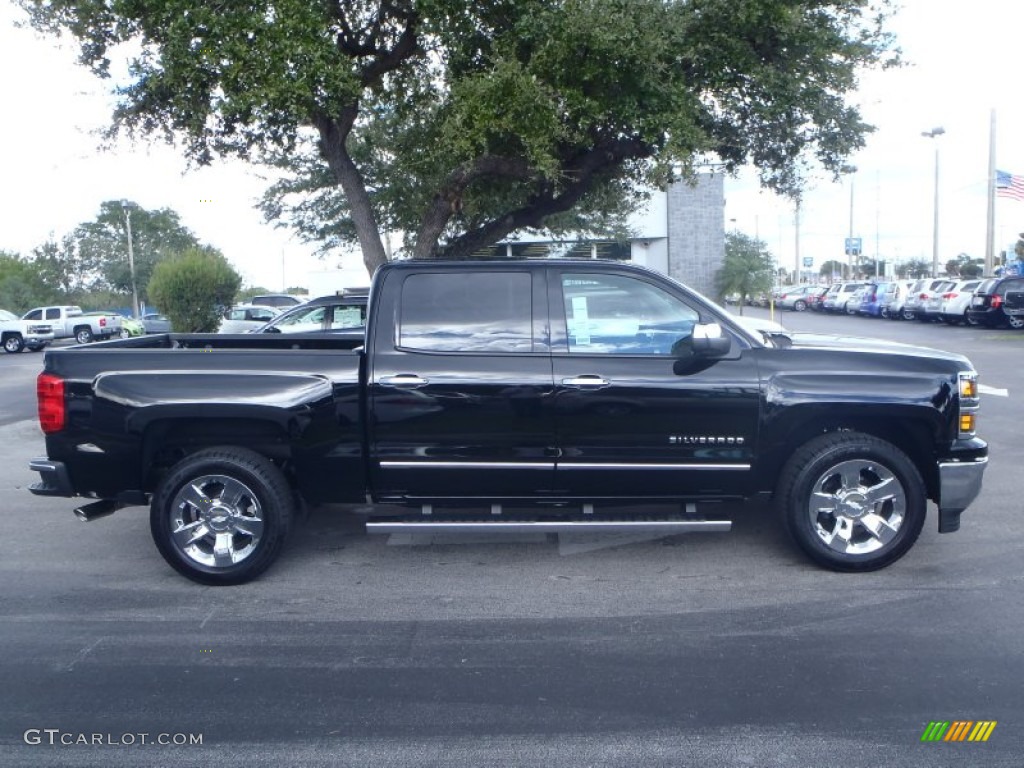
17, 334
70, 322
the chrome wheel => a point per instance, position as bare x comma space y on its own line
1015, 321
857, 507
216, 521
221, 515
13, 344
851, 501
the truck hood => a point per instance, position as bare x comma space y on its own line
863, 345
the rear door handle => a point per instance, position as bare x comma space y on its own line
586, 381
403, 381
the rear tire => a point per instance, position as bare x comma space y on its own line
221, 516
1015, 321
851, 501
800, 306
83, 335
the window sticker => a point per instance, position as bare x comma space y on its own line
579, 326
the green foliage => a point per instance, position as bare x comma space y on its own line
964, 266
21, 286
836, 268
244, 295
193, 289
914, 269
64, 268
458, 123
156, 235
94, 256
748, 268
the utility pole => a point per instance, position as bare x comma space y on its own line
990, 228
933, 133
796, 244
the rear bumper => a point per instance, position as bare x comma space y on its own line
959, 486
53, 478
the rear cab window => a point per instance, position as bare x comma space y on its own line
483, 313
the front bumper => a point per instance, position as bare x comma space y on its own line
959, 485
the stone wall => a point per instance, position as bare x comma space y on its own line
696, 232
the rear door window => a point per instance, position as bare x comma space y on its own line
483, 312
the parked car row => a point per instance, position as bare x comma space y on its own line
993, 302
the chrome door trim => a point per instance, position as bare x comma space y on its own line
599, 465
467, 464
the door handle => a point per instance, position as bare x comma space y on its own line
587, 380
403, 381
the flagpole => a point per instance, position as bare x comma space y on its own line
990, 232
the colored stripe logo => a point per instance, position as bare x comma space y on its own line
958, 730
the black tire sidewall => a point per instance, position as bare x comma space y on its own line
265, 481
845, 448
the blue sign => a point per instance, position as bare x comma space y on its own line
808, 261
853, 245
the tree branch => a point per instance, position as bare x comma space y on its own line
448, 200
584, 172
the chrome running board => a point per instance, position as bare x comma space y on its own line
550, 526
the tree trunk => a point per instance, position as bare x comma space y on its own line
333, 135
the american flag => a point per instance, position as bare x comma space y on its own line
1008, 185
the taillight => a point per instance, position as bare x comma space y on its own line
997, 301
103, 322
50, 394
949, 295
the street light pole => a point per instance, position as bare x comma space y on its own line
933, 133
131, 261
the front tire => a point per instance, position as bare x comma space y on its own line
13, 344
1015, 321
221, 515
851, 501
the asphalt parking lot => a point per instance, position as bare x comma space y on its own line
709, 649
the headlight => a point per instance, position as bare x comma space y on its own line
969, 404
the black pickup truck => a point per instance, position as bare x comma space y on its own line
513, 395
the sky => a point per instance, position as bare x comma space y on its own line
962, 63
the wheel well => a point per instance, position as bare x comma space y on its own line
912, 436
167, 442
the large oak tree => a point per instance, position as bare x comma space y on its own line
458, 122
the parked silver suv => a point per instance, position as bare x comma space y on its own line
919, 294
839, 295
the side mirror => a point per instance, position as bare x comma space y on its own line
709, 340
